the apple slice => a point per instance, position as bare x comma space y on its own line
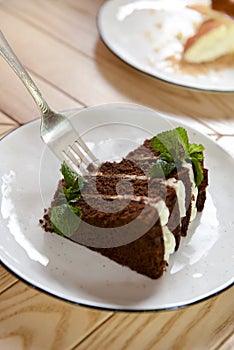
213, 39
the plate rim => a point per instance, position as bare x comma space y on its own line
119, 309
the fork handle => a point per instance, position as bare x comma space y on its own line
8, 54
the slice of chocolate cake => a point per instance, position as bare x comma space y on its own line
134, 211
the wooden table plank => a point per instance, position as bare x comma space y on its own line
17, 103
71, 22
202, 326
32, 320
89, 6
6, 124
59, 43
107, 80
6, 279
224, 126
228, 344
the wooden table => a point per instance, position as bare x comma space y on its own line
59, 44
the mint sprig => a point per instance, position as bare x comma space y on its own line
174, 148
64, 220
74, 183
162, 168
65, 217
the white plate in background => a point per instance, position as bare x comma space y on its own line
149, 35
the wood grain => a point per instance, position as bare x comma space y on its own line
33, 320
6, 124
6, 279
17, 103
228, 344
72, 70
72, 23
213, 320
59, 44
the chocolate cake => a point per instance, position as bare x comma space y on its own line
134, 211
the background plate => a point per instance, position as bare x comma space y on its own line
149, 35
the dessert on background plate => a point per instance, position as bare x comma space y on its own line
214, 37
161, 28
224, 6
134, 211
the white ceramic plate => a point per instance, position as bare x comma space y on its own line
149, 35
29, 172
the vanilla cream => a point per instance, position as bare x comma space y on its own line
180, 193
194, 190
168, 237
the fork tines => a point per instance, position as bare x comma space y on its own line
78, 156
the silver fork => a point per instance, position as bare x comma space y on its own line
56, 130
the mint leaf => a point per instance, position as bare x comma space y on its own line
158, 145
166, 157
193, 148
198, 156
76, 210
69, 175
183, 138
74, 184
174, 148
171, 141
63, 220
65, 216
166, 142
183, 143
161, 168
198, 170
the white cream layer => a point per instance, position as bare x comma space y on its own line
178, 185
172, 182
163, 212
180, 193
194, 190
168, 237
